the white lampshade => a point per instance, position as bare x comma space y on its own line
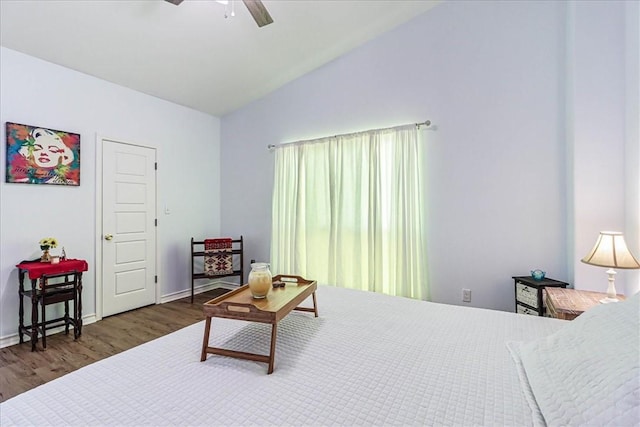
611, 251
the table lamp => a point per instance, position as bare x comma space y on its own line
611, 251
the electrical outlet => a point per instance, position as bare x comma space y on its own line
466, 295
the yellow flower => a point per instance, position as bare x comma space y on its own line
48, 242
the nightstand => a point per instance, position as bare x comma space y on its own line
568, 304
530, 294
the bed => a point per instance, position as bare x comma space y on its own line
369, 359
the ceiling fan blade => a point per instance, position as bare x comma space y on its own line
258, 11
176, 2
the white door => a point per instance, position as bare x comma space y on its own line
128, 227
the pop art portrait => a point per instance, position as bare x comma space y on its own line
38, 155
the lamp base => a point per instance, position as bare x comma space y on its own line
611, 290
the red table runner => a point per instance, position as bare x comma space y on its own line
37, 269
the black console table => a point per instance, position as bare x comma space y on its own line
66, 287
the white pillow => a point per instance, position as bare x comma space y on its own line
588, 372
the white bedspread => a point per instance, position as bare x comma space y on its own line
588, 372
369, 359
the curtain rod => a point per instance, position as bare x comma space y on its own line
426, 123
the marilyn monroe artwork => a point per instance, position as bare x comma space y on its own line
38, 155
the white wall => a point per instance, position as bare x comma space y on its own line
604, 80
536, 147
490, 75
632, 147
188, 151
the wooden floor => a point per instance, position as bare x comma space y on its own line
21, 369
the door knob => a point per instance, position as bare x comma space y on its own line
108, 236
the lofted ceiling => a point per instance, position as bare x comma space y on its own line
191, 54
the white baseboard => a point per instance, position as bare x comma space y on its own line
14, 339
214, 284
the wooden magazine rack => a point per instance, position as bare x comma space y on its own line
197, 251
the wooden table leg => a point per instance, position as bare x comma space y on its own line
205, 340
66, 317
272, 351
34, 315
78, 325
43, 287
315, 304
21, 308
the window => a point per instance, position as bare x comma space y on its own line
347, 211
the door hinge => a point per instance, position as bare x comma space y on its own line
156, 279
156, 222
156, 165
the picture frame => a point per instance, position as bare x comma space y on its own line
39, 155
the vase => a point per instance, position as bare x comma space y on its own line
259, 280
45, 256
537, 275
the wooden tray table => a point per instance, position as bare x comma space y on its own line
240, 305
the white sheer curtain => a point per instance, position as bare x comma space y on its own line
348, 211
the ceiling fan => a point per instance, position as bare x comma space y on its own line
256, 8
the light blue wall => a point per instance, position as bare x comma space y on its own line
632, 136
493, 77
597, 120
187, 142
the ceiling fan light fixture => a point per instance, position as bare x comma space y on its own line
255, 7
226, 7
